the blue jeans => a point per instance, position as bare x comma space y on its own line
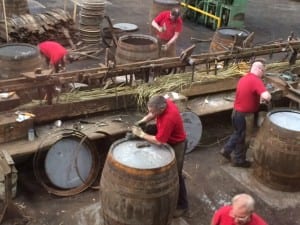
236, 142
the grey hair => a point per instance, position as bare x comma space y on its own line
244, 200
157, 102
175, 12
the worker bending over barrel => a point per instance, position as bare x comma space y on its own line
55, 54
170, 130
168, 25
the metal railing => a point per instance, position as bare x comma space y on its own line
218, 19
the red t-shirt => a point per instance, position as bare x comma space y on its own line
222, 217
169, 125
53, 51
164, 19
248, 91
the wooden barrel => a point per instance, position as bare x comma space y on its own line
139, 184
18, 58
136, 47
224, 38
276, 150
15, 7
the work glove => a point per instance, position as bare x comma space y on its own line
137, 131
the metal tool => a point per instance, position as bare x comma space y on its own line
98, 124
143, 144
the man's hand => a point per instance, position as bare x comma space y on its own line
137, 131
139, 123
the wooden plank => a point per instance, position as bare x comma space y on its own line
212, 103
11, 130
202, 88
84, 107
10, 102
46, 132
39, 75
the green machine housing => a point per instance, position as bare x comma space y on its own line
231, 12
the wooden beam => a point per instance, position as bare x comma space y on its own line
202, 88
80, 108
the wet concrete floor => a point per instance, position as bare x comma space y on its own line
211, 182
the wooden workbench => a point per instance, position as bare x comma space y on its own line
116, 124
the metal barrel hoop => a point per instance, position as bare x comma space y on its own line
39, 159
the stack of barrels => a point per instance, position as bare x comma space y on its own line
91, 16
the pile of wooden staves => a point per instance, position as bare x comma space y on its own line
55, 24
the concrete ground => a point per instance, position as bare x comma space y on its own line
211, 182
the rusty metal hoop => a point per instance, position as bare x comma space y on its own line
39, 158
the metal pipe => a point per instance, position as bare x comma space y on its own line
218, 19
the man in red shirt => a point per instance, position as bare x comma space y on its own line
240, 212
54, 53
170, 130
168, 25
250, 92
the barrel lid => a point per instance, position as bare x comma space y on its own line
126, 26
193, 128
289, 120
227, 31
142, 155
167, 2
68, 163
17, 51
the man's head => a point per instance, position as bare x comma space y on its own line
242, 208
258, 68
157, 104
68, 58
175, 13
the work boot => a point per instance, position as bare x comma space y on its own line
224, 154
245, 164
180, 212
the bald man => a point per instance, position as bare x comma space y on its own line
240, 212
250, 92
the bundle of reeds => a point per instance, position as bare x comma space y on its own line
178, 82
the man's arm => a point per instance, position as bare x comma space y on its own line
265, 97
157, 26
146, 118
173, 39
152, 139
141, 134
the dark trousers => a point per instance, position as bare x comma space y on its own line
179, 150
236, 142
171, 51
